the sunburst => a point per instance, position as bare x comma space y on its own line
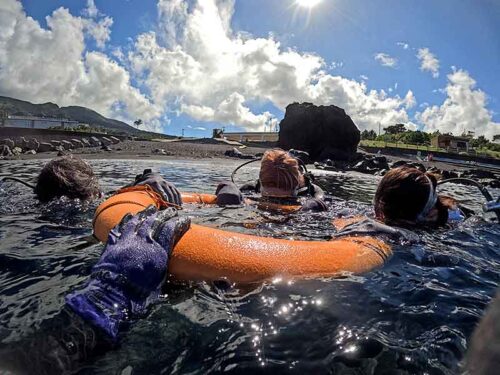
308, 3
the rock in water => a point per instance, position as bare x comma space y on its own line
106, 141
5, 150
67, 145
45, 147
9, 143
325, 132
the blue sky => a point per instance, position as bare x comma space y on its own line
462, 36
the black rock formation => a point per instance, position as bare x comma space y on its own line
325, 132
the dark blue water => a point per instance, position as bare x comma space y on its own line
412, 316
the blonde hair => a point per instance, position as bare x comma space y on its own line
280, 174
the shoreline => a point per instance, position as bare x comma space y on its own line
158, 150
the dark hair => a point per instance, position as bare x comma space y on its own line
403, 194
67, 176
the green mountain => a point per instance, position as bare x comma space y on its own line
16, 107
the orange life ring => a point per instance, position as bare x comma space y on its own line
208, 254
199, 198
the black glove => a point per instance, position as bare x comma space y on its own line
370, 227
314, 205
251, 186
166, 189
228, 194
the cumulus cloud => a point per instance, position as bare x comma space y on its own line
464, 109
195, 63
385, 60
99, 30
90, 10
428, 61
198, 64
53, 64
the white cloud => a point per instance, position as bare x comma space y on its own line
403, 45
385, 60
91, 10
194, 63
464, 109
336, 65
428, 61
52, 64
99, 30
363, 77
212, 73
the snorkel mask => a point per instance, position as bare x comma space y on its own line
429, 205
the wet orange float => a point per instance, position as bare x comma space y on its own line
206, 253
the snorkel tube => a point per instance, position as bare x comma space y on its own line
491, 204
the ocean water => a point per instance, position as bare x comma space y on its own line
414, 315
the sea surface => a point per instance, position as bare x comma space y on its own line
414, 315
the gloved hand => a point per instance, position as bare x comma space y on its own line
251, 186
166, 189
370, 227
129, 275
317, 192
228, 194
314, 205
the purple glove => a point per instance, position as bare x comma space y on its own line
129, 275
166, 189
228, 194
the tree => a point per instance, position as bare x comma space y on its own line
368, 134
137, 123
496, 137
395, 129
479, 142
416, 137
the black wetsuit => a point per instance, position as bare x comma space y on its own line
60, 345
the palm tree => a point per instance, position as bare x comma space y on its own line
137, 123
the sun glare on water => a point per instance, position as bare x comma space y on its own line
308, 3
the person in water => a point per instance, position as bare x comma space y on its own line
282, 180
74, 178
68, 176
125, 281
407, 196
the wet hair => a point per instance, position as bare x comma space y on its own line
67, 176
403, 194
280, 174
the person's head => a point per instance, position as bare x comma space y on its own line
280, 175
67, 176
408, 196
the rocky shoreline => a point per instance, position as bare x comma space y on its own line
128, 149
114, 148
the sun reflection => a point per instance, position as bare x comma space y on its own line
308, 3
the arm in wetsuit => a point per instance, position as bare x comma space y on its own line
124, 282
370, 227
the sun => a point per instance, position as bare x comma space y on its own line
308, 3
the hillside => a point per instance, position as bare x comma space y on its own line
85, 115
